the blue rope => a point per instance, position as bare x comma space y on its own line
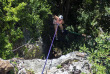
50, 49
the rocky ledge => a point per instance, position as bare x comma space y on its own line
72, 63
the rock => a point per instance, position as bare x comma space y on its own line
80, 54
5, 66
22, 71
57, 52
70, 63
34, 50
66, 64
18, 63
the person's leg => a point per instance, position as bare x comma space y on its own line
55, 27
61, 27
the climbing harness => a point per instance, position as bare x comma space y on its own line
49, 49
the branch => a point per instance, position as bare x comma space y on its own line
101, 30
22, 45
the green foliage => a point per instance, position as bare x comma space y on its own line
16, 17
15, 68
82, 73
32, 51
30, 54
8, 32
16, 34
59, 66
6, 46
88, 1
91, 17
70, 28
12, 12
98, 47
30, 71
98, 54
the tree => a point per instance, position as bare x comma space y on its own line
17, 17
8, 33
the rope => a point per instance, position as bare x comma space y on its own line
75, 33
49, 49
81, 35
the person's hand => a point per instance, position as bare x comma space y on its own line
84, 35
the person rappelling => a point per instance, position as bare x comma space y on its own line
58, 21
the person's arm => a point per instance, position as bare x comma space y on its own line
56, 17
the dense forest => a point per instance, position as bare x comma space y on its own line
22, 20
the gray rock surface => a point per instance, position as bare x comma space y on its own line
70, 63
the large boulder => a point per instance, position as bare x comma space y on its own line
5, 66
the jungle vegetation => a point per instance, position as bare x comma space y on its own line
21, 20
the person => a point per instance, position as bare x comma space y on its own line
58, 21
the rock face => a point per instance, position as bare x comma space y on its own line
72, 63
5, 66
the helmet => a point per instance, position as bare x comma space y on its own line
60, 17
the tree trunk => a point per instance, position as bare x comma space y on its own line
66, 9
